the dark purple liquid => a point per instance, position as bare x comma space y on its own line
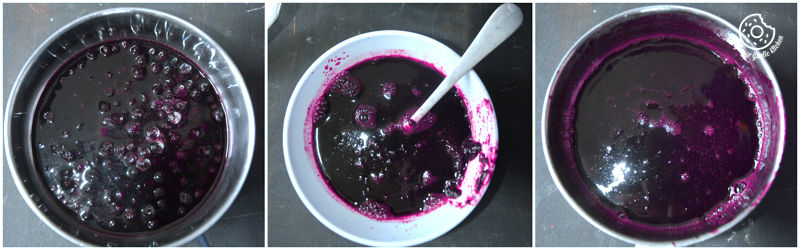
130, 135
663, 131
369, 160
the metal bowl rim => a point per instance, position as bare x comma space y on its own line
250, 147
647, 10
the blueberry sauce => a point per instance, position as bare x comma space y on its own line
129, 136
366, 156
664, 131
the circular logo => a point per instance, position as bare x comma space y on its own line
754, 29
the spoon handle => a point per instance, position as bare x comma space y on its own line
503, 22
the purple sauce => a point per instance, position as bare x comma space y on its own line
664, 129
369, 160
129, 136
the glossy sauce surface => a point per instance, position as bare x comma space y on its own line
664, 129
367, 158
129, 136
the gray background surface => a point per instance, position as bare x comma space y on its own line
303, 32
238, 28
772, 223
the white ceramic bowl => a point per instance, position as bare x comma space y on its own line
309, 182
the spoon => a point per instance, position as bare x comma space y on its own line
503, 22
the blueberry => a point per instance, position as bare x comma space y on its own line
152, 224
111, 223
180, 91
68, 156
113, 120
106, 149
143, 98
451, 189
140, 60
130, 159
196, 133
205, 151
106, 163
104, 50
129, 213
116, 209
185, 68
204, 87
109, 92
320, 112
346, 85
157, 147
135, 49
137, 114
174, 117
195, 94
130, 172
133, 128
161, 56
138, 73
410, 127
153, 133
173, 137
143, 164
143, 151
87, 189
167, 69
149, 212
158, 177
67, 183
389, 90
158, 192
470, 148
120, 150
180, 155
91, 175
198, 194
156, 67
218, 115
178, 104
47, 117
365, 115
157, 89
185, 198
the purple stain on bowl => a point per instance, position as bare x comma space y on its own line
118, 159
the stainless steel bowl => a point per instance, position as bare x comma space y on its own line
627, 26
113, 24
